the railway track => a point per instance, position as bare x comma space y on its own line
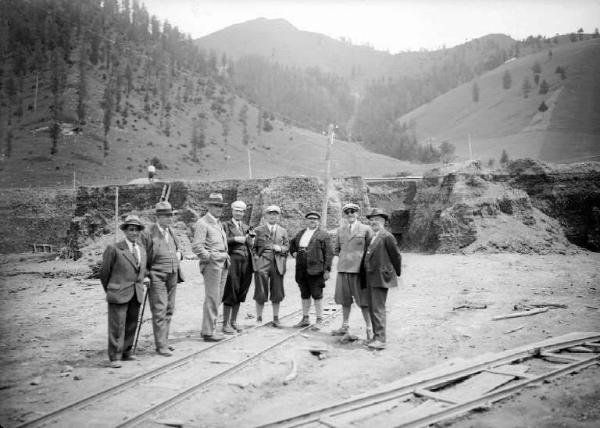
449, 391
133, 401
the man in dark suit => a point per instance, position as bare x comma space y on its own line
382, 266
313, 252
271, 247
163, 253
239, 277
122, 277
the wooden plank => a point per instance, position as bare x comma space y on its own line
558, 358
520, 314
582, 350
475, 386
518, 370
420, 392
332, 423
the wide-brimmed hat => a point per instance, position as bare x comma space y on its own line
132, 220
350, 206
273, 209
312, 214
377, 212
164, 208
215, 199
238, 205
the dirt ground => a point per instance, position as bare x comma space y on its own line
53, 340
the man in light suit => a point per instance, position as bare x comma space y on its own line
239, 241
313, 252
271, 246
351, 242
122, 277
210, 245
382, 266
163, 253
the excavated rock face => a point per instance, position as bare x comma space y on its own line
467, 210
30, 216
569, 193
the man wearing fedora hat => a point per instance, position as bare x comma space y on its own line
239, 241
210, 245
382, 266
313, 252
351, 242
163, 255
122, 276
271, 246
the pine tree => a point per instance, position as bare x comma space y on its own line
107, 108
82, 92
506, 80
544, 87
504, 157
543, 107
526, 87
475, 92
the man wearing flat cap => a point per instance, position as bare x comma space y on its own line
271, 246
350, 245
382, 266
163, 254
313, 252
122, 276
239, 241
210, 245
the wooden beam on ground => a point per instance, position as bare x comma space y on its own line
520, 314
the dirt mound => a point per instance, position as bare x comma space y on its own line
463, 209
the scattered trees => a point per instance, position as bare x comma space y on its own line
504, 157
544, 87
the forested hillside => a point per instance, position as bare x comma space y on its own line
94, 91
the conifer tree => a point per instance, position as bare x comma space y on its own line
506, 80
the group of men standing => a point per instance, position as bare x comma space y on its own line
231, 254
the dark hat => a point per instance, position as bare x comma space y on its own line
312, 214
377, 212
350, 206
132, 220
164, 208
215, 199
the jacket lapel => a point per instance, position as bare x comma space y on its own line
373, 245
312, 238
127, 254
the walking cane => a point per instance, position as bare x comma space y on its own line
140, 320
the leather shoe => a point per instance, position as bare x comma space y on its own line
164, 352
115, 365
276, 323
212, 338
304, 322
127, 357
228, 330
236, 327
342, 331
376, 344
171, 348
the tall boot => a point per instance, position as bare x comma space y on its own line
234, 313
226, 319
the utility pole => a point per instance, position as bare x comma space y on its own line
470, 149
249, 163
116, 213
327, 173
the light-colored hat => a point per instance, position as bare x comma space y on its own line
350, 206
273, 209
378, 212
312, 214
238, 205
132, 220
215, 199
164, 208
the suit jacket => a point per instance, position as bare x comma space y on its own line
232, 231
151, 239
319, 252
210, 242
351, 247
382, 261
120, 275
263, 241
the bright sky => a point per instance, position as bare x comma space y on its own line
392, 25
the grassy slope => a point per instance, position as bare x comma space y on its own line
504, 119
283, 151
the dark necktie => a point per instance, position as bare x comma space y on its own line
135, 254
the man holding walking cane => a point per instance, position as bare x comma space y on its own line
163, 252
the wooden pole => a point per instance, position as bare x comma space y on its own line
249, 164
327, 173
470, 149
116, 213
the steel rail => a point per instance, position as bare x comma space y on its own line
176, 398
139, 378
380, 397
